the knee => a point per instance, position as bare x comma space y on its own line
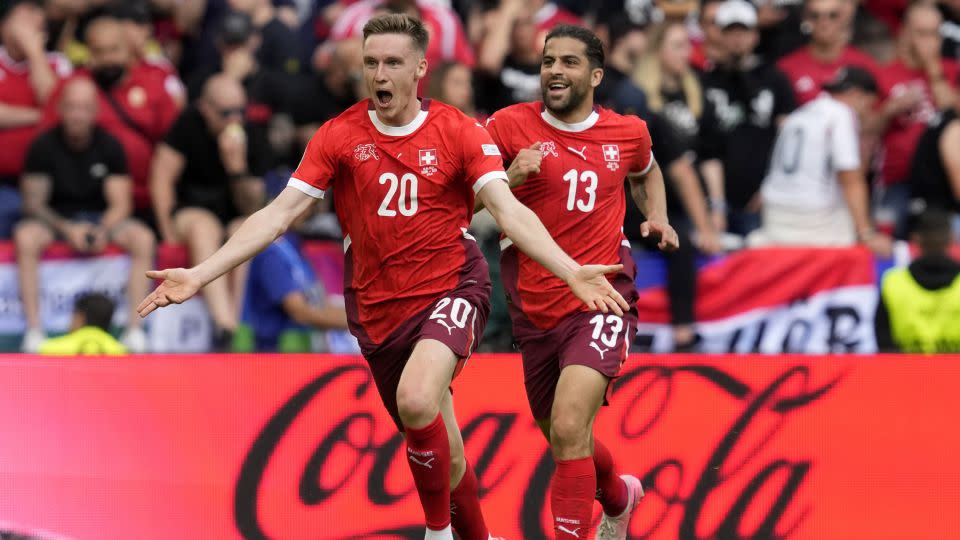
140, 240
30, 238
203, 225
569, 437
415, 406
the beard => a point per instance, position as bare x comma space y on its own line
575, 97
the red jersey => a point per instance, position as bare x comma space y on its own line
16, 91
904, 132
578, 194
404, 198
808, 74
144, 97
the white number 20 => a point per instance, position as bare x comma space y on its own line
589, 178
406, 202
458, 313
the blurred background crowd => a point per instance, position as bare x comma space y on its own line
137, 123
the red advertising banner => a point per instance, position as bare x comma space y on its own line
296, 448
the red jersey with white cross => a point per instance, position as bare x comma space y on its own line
404, 197
578, 194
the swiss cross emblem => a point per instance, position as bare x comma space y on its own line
428, 161
611, 153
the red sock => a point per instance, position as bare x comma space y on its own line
428, 454
571, 498
611, 491
465, 514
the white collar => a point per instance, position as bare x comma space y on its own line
398, 131
563, 126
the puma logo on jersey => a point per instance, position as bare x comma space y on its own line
582, 152
599, 350
445, 325
428, 463
366, 151
574, 533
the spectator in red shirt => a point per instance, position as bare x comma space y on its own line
135, 17
709, 51
28, 74
448, 41
809, 67
135, 105
915, 86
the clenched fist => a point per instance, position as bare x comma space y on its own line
526, 163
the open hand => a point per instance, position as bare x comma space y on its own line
668, 237
591, 286
178, 285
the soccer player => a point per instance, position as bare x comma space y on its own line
573, 159
405, 174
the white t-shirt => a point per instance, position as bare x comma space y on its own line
815, 142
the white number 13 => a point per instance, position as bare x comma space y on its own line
589, 178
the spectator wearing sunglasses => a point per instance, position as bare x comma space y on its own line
829, 50
206, 178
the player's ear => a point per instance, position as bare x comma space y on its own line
596, 75
422, 68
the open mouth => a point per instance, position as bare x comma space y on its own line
384, 97
557, 88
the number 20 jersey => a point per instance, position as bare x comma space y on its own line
578, 195
404, 197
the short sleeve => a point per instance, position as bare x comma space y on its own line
482, 160
38, 157
497, 129
845, 144
178, 137
115, 157
644, 160
315, 173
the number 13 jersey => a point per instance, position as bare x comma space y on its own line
404, 197
578, 195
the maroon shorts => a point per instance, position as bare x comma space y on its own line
456, 319
592, 339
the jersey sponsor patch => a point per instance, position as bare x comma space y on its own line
490, 149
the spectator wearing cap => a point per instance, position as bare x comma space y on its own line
279, 47
750, 99
920, 305
627, 45
136, 19
809, 67
268, 92
816, 193
89, 330
28, 75
207, 176
135, 105
918, 84
76, 188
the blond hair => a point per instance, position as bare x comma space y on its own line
398, 23
649, 77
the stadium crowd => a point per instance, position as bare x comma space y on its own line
142, 122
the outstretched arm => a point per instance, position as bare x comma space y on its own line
524, 228
651, 197
256, 233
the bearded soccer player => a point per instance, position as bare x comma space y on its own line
573, 158
405, 174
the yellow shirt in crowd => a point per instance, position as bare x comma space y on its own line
88, 340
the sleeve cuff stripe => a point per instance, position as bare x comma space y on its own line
487, 178
298, 184
649, 165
